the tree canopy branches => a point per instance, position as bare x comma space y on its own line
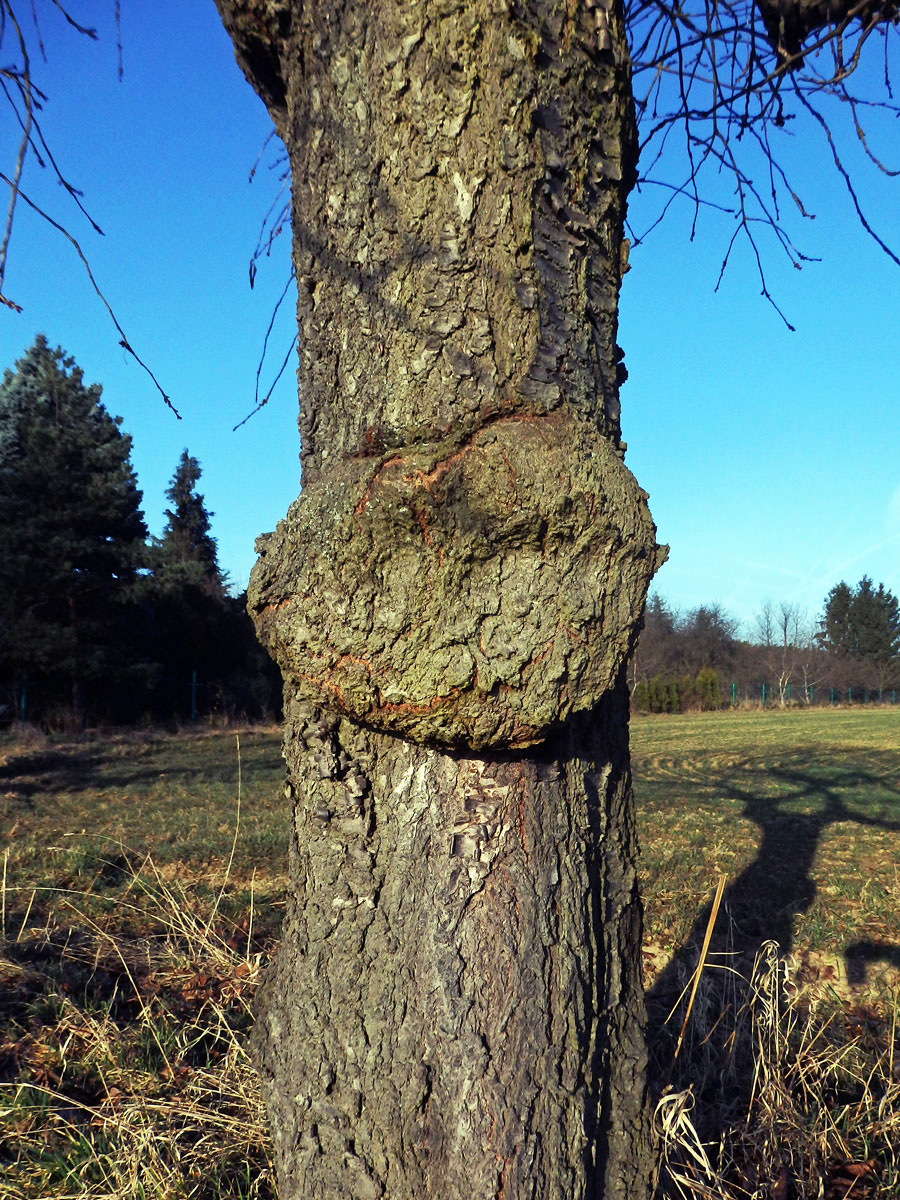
25, 99
719, 85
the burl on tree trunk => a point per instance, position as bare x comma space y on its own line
455, 1007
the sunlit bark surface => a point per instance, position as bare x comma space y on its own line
455, 1008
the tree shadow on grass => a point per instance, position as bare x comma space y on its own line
26, 775
32, 775
793, 807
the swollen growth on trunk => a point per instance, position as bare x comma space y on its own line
455, 1007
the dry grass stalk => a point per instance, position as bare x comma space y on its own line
704, 950
130, 1073
788, 1093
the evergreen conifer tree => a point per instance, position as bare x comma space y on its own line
863, 624
72, 535
203, 639
876, 621
186, 540
836, 633
188, 598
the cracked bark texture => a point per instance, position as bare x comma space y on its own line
455, 1006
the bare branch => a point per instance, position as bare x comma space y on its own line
846, 177
732, 76
37, 31
88, 31
119, 39
33, 139
265, 400
74, 192
124, 340
258, 404
20, 157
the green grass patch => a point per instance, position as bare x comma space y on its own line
787, 1082
79, 816
143, 883
799, 809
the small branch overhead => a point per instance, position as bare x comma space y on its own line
257, 403
719, 87
25, 100
275, 221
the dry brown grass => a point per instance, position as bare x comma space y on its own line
123, 1063
782, 1091
127, 981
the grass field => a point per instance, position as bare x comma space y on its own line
143, 880
800, 809
142, 883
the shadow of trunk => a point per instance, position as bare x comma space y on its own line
755, 925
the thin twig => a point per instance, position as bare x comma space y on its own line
124, 340
20, 157
234, 840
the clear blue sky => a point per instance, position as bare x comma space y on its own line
771, 457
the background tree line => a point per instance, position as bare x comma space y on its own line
98, 620
699, 660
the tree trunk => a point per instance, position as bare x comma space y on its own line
455, 1008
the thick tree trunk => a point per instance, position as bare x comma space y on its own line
455, 1009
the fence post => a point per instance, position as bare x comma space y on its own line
733, 694
764, 696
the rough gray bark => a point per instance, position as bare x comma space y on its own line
455, 1008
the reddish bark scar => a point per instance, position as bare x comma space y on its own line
503, 1171
427, 479
423, 525
281, 603
367, 494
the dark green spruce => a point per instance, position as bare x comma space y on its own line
72, 538
187, 543
862, 622
209, 661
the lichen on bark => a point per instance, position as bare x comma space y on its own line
455, 1008
452, 1011
471, 595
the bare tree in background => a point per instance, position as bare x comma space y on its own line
707, 637
782, 632
455, 1010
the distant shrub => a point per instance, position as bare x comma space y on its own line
663, 694
709, 689
641, 699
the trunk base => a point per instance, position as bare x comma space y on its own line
455, 1009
